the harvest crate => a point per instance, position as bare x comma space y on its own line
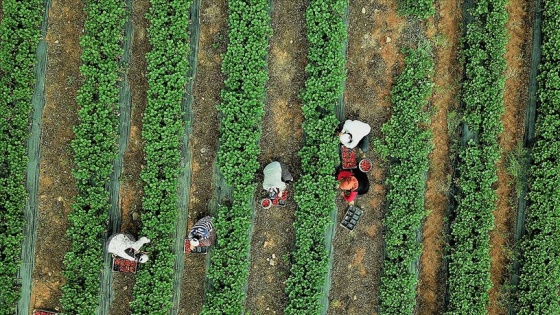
124, 265
348, 157
351, 217
43, 312
197, 250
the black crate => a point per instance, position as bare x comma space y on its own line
351, 217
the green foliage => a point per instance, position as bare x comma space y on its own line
94, 152
419, 8
315, 193
19, 36
407, 145
162, 130
241, 109
469, 252
537, 292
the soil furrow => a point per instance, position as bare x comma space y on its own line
518, 49
282, 138
443, 31
56, 184
203, 141
374, 41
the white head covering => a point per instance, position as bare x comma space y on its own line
345, 138
194, 242
143, 258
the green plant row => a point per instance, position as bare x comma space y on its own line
19, 37
162, 131
419, 8
537, 292
315, 193
407, 146
94, 151
469, 253
241, 110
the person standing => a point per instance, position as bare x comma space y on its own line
355, 133
276, 177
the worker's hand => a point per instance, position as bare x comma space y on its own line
351, 203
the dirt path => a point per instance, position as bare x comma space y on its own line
282, 138
203, 141
519, 28
131, 189
56, 184
443, 31
373, 57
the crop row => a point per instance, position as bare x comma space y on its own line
537, 292
19, 37
94, 151
407, 145
315, 193
469, 261
420, 8
162, 131
241, 109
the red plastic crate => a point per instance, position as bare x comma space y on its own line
349, 158
43, 312
124, 265
201, 249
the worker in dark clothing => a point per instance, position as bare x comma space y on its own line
353, 184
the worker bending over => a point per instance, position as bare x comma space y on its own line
121, 244
355, 133
202, 233
276, 177
353, 184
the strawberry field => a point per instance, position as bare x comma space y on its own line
144, 116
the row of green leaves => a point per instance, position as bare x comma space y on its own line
537, 292
407, 146
241, 109
94, 151
482, 96
315, 193
162, 131
419, 8
19, 37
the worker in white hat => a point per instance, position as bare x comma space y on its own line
355, 133
121, 244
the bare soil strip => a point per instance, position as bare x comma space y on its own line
131, 188
443, 31
374, 41
56, 184
203, 141
282, 138
518, 49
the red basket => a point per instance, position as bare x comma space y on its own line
365, 165
43, 312
266, 203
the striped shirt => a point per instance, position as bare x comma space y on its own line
202, 229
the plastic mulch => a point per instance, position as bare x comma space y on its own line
184, 185
528, 140
32, 179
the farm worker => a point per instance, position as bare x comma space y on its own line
276, 177
202, 233
355, 133
118, 245
352, 184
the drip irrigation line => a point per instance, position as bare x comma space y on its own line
32, 178
184, 184
106, 292
528, 141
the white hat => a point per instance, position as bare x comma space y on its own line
143, 258
194, 242
345, 138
